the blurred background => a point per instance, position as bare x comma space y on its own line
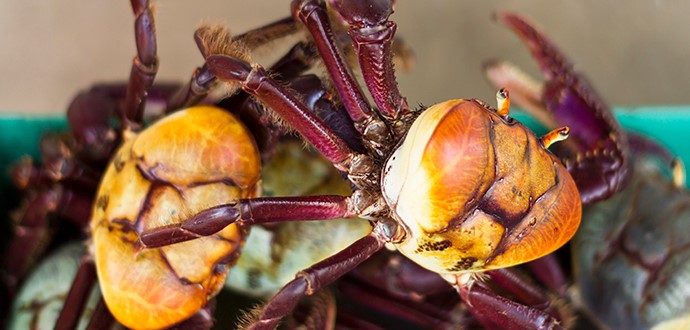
634, 55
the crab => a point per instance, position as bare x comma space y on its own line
502, 210
66, 182
470, 219
629, 258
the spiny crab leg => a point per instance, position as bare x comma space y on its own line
203, 80
594, 154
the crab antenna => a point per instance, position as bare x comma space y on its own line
503, 102
554, 136
678, 169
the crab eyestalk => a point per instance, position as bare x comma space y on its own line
503, 103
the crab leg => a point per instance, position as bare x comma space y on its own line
643, 145
145, 65
527, 293
60, 165
420, 313
317, 276
32, 227
319, 101
66, 170
402, 278
372, 35
250, 212
594, 153
90, 116
101, 317
78, 294
498, 312
298, 59
255, 80
314, 16
549, 273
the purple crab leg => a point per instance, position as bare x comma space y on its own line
372, 36
91, 128
203, 80
320, 101
400, 276
496, 312
68, 170
90, 116
78, 294
527, 293
595, 154
101, 317
145, 65
256, 81
246, 212
550, 273
417, 312
28, 234
314, 16
317, 312
31, 230
316, 277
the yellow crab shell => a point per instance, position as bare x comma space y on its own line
189, 161
475, 191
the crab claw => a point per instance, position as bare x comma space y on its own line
596, 151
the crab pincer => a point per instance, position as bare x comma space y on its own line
595, 153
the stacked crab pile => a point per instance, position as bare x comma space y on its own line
458, 189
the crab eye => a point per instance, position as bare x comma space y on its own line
477, 192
